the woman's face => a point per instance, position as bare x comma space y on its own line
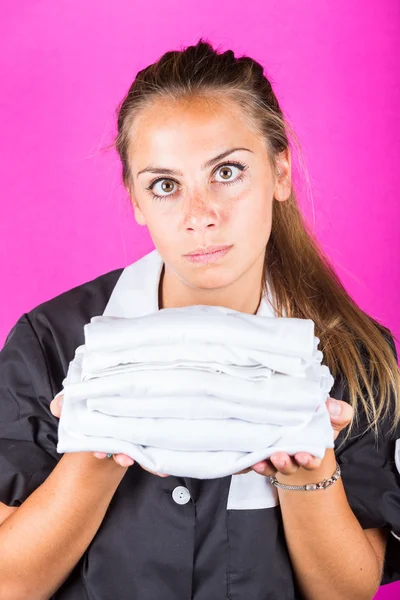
225, 202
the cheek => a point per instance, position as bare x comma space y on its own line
162, 226
251, 215
159, 215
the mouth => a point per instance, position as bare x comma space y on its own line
209, 255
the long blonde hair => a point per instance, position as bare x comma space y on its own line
303, 281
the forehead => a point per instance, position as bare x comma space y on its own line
189, 125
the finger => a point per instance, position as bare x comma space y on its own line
123, 460
154, 473
264, 467
343, 418
307, 461
339, 410
284, 463
56, 405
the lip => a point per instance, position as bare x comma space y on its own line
208, 250
207, 257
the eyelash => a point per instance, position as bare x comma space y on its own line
239, 165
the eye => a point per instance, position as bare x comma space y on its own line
168, 184
226, 171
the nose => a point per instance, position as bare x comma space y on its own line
199, 213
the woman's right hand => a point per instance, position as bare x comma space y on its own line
121, 459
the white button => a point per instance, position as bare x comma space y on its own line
181, 495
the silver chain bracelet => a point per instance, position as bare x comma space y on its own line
322, 485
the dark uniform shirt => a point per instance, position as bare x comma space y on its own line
174, 538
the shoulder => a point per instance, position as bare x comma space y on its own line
55, 328
79, 303
70, 310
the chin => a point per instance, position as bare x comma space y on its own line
210, 278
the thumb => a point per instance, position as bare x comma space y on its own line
334, 407
340, 411
56, 405
341, 420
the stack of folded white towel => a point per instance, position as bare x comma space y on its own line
199, 391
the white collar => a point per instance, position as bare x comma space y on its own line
136, 291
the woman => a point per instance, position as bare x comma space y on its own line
206, 161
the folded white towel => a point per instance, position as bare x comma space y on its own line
179, 434
314, 438
207, 324
195, 407
94, 365
210, 408
196, 337
226, 359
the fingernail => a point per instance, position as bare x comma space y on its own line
303, 460
61, 400
334, 408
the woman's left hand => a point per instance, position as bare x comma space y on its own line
309, 462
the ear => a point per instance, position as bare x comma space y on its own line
283, 181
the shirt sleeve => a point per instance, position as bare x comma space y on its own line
28, 430
371, 479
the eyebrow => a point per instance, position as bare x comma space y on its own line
208, 163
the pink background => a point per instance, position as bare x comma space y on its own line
65, 65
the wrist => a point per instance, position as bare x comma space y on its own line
86, 474
88, 462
